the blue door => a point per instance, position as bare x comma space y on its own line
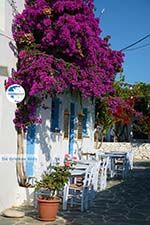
30, 147
72, 127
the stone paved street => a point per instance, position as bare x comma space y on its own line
122, 203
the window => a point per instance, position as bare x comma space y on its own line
55, 115
4, 71
66, 123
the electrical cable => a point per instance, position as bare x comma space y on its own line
140, 40
141, 46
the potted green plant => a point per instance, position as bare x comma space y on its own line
49, 186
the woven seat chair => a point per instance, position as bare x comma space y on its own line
79, 193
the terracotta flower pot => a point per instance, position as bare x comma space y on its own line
47, 209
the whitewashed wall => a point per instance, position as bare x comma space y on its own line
49, 144
7, 147
10, 193
6, 55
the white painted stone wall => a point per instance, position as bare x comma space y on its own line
6, 55
10, 193
141, 150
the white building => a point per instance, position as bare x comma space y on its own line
10, 193
67, 125
67, 128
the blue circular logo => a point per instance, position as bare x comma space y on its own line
15, 93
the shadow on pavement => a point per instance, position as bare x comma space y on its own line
122, 203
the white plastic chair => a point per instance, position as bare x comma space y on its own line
95, 176
103, 173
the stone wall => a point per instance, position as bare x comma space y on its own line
141, 150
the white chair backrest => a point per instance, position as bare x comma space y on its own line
98, 155
104, 163
95, 171
88, 175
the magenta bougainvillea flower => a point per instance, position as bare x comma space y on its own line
59, 47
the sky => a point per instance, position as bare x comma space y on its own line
127, 21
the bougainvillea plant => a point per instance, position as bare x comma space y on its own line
118, 108
141, 126
59, 48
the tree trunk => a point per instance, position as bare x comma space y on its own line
21, 177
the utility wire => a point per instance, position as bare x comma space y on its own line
141, 46
140, 40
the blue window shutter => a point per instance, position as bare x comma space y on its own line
72, 127
55, 114
30, 147
84, 125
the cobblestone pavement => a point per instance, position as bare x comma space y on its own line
122, 203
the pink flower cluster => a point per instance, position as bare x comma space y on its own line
70, 161
59, 48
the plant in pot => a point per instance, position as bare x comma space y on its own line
49, 187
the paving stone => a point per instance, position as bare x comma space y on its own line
7, 221
122, 203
